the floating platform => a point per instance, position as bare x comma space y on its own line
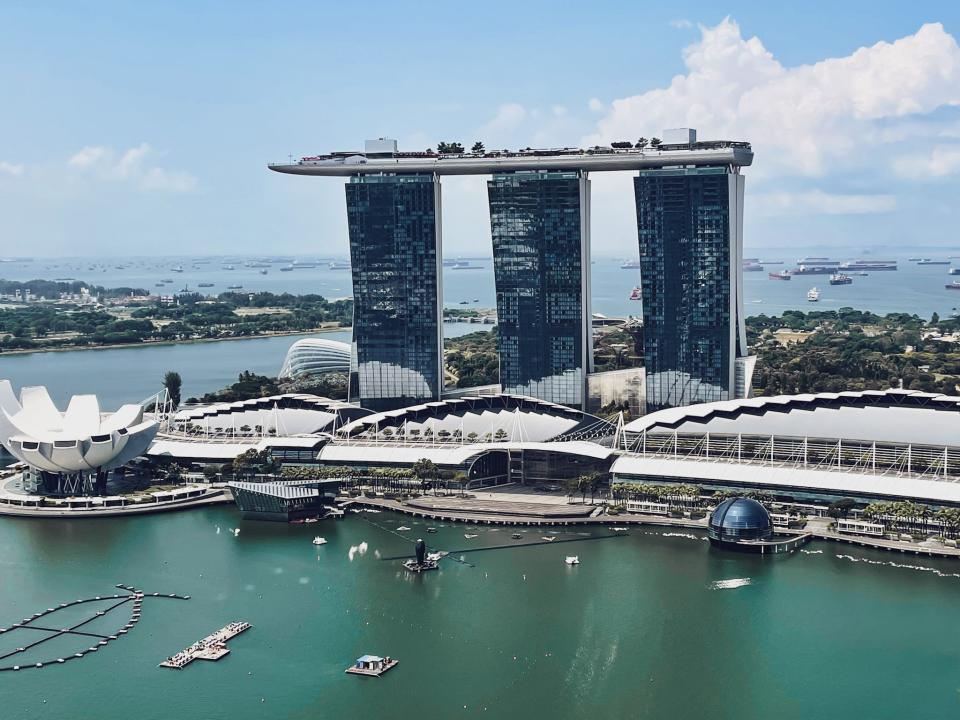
414, 566
372, 666
212, 647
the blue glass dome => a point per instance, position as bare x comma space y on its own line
739, 519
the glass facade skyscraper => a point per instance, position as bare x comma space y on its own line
394, 223
690, 224
540, 223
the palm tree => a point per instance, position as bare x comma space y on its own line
478, 148
173, 384
500, 435
655, 142
641, 143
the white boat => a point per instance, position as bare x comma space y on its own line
402, 528
236, 531
548, 538
468, 536
572, 560
319, 540
619, 529
813, 295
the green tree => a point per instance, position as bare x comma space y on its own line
655, 142
173, 474
173, 384
641, 143
478, 148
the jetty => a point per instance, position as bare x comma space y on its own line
212, 647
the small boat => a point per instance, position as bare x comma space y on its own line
204, 284
517, 536
234, 287
470, 536
402, 528
436, 556
263, 272
572, 560
636, 294
953, 271
548, 538
619, 529
431, 530
813, 295
319, 540
287, 268
955, 285
782, 275
236, 531
307, 521
841, 279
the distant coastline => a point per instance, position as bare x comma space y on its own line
156, 343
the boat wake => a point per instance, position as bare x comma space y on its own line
811, 552
688, 536
729, 584
903, 566
355, 550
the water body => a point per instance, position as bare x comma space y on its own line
655, 624
131, 374
911, 289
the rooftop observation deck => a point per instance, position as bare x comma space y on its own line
597, 159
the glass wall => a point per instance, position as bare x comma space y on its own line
690, 245
394, 223
540, 227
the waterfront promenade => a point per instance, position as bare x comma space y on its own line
20, 504
501, 507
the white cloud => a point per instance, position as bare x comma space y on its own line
12, 169
596, 105
801, 120
817, 202
134, 166
87, 157
509, 117
939, 162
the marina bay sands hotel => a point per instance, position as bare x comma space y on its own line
689, 202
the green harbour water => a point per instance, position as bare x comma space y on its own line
652, 624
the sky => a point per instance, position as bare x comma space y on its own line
145, 128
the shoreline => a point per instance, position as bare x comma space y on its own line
467, 518
160, 343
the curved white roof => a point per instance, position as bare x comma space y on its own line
80, 439
900, 416
316, 356
288, 414
522, 418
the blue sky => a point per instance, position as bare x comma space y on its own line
136, 128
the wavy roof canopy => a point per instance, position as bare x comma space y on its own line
901, 416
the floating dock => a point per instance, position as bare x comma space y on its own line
372, 665
212, 647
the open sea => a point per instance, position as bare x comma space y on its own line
132, 374
656, 624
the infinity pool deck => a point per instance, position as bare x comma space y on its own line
212, 647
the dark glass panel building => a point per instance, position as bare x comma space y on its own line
541, 258
690, 223
394, 223
737, 520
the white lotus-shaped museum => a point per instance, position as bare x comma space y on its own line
81, 441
